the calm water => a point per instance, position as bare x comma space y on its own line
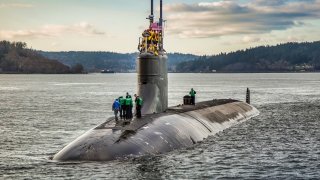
40, 114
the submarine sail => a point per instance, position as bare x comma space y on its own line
152, 67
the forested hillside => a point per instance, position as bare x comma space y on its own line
15, 57
96, 61
289, 57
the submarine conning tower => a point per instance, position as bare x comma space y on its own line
152, 67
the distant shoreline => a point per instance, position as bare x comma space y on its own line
278, 72
246, 72
40, 73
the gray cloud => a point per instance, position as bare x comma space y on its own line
82, 28
279, 2
16, 5
211, 19
270, 2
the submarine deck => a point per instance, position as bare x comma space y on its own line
180, 126
137, 123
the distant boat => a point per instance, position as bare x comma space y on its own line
107, 71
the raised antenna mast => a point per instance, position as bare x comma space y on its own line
160, 19
161, 25
151, 16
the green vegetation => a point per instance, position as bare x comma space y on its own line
15, 57
289, 57
175, 58
97, 61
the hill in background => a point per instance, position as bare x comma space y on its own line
97, 61
289, 57
15, 57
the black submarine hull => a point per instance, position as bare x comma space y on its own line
179, 127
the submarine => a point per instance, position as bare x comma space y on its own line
161, 128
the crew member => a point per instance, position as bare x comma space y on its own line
193, 96
156, 52
151, 48
151, 36
143, 45
122, 107
156, 38
138, 101
116, 108
146, 33
129, 105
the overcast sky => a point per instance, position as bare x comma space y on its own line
193, 26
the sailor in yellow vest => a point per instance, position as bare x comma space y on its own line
152, 34
156, 38
143, 44
146, 33
156, 52
151, 48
